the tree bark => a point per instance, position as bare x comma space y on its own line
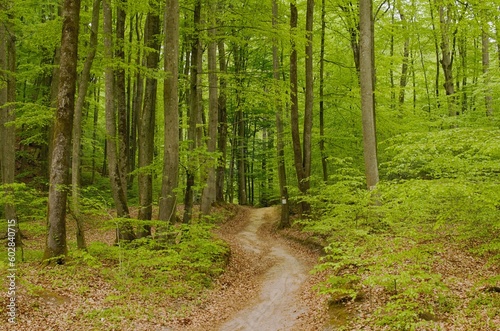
146, 123
285, 209
194, 113
7, 118
77, 125
222, 125
168, 199
324, 164
447, 58
485, 41
208, 194
367, 93
125, 231
59, 169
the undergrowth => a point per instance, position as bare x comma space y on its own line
384, 245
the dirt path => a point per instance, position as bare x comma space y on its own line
267, 286
276, 305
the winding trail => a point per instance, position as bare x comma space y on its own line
276, 305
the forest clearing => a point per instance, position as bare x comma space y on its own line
250, 165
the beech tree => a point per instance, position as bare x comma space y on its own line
59, 169
367, 79
170, 171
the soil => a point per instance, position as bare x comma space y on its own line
267, 285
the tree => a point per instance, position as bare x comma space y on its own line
59, 169
77, 124
7, 113
118, 186
146, 121
208, 194
171, 112
366, 75
285, 206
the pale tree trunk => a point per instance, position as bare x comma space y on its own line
194, 114
404, 67
7, 117
324, 164
120, 95
59, 169
208, 194
447, 57
168, 199
222, 128
125, 231
146, 123
309, 104
367, 93
436, 47
240, 128
488, 98
285, 209
294, 100
77, 125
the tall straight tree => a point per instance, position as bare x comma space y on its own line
63, 126
302, 153
222, 124
324, 164
194, 112
208, 195
146, 118
367, 80
285, 209
171, 111
118, 186
77, 124
7, 111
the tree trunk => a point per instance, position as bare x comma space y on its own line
240, 128
447, 58
146, 123
59, 169
485, 41
222, 128
367, 93
285, 210
404, 67
77, 125
194, 113
170, 179
208, 194
7, 117
309, 104
124, 232
324, 164
120, 95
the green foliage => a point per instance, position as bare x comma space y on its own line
442, 189
30, 203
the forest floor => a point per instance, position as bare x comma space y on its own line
267, 285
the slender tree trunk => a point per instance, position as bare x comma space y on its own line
146, 123
97, 93
77, 125
168, 199
294, 101
309, 104
125, 231
7, 117
324, 164
240, 129
222, 132
194, 114
120, 95
208, 195
285, 210
485, 41
404, 67
59, 169
447, 58
367, 93
436, 47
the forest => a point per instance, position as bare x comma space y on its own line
141, 141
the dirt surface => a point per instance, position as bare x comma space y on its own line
267, 285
